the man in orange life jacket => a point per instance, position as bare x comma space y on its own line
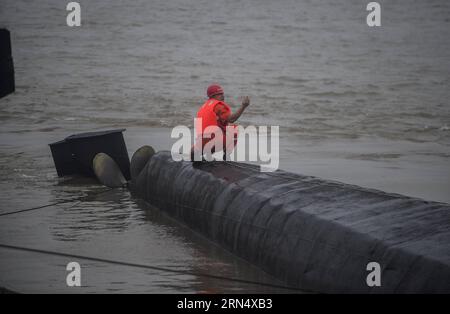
215, 112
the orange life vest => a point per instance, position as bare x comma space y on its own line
208, 115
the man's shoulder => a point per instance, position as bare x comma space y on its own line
220, 106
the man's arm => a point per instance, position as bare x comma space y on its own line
245, 103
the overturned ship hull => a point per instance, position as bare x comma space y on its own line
311, 233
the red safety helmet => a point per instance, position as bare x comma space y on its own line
214, 90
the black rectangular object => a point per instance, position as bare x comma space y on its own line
75, 153
5, 43
62, 157
7, 83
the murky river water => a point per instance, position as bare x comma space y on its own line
356, 104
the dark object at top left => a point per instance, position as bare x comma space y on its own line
7, 85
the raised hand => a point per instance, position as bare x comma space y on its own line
246, 102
